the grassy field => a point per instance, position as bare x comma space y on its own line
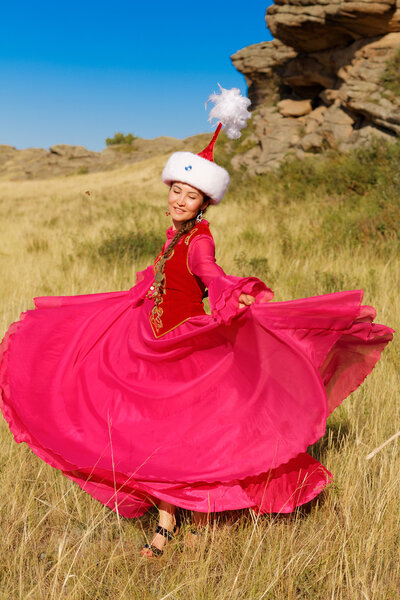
313, 227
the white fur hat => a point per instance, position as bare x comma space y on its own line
200, 170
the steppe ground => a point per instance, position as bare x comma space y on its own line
306, 230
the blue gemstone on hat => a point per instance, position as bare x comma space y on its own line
188, 168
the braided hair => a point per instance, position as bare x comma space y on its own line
159, 278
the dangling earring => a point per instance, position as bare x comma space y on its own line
199, 217
167, 213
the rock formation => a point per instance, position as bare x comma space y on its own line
65, 159
328, 79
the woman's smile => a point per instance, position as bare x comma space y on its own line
190, 202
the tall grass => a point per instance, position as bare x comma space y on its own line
313, 227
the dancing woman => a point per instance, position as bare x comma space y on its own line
142, 398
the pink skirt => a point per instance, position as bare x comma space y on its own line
212, 416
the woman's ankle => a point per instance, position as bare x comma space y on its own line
167, 520
200, 519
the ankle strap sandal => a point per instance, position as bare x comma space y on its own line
167, 534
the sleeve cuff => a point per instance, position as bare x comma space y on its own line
224, 295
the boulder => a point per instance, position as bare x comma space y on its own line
261, 65
337, 126
294, 108
312, 142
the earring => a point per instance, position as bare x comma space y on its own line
199, 217
167, 213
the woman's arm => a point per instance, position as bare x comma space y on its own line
201, 259
227, 293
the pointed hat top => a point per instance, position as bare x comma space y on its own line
208, 151
200, 170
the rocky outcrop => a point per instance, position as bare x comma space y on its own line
65, 159
325, 82
261, 65
312, 25
329, 79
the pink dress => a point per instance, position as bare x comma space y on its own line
216, 414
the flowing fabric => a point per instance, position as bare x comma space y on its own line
216, 414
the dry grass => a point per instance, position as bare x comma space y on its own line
57, 542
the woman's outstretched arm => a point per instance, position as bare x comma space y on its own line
227, 293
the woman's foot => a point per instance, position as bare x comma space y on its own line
165, 530
198, 529
156, 547
194, 536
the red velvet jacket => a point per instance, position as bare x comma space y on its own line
183, 291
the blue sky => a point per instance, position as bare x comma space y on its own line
77, 72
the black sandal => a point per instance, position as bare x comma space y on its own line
166, 533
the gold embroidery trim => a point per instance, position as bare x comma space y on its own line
172, 328
157, 295
187, 239
155, 318
157, 312
187, 258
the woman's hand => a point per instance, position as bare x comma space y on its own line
245, 300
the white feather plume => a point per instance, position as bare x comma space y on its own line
230, 109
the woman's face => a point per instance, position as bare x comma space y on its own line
184, 202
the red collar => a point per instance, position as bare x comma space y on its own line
171, 232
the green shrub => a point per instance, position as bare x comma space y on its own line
121, 138
390, 78
353, 198
257, 266
116, 246
82, 171
125, 148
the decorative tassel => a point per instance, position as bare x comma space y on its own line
230, 109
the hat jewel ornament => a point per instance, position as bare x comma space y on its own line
200, 170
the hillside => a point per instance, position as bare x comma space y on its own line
310, 227
66, 160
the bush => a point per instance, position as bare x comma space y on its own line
390, 78
120, 138
115, 246
82, 170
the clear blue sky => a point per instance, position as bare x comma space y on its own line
77, 72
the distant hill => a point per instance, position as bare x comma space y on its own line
64, 159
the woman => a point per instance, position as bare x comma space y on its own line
142, 398
186, 203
